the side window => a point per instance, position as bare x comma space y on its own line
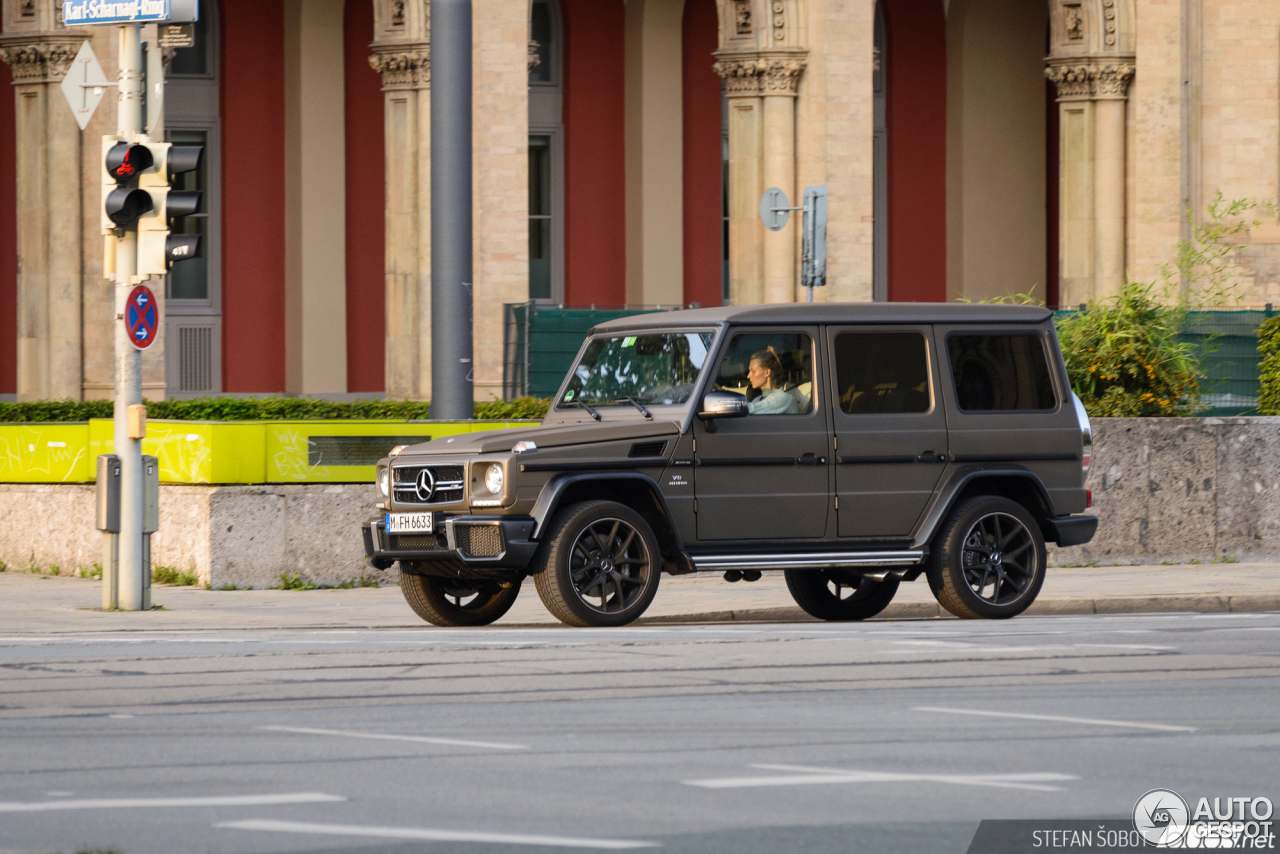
882, 372
774, 370
1000, 372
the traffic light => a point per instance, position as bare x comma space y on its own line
158, 247
122, 201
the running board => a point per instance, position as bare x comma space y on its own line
817, 560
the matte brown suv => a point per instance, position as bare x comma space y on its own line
852, 446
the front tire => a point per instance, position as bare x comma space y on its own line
839, 595
599, 565
454, 602
989, 560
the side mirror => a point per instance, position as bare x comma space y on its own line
722, 404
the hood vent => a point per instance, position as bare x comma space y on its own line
648, 449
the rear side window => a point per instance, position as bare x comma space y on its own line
1000, 372
882, 372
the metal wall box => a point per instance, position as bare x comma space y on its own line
150, 494
108, 493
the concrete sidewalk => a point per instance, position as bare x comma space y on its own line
41, 604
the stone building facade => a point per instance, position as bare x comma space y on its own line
971, 148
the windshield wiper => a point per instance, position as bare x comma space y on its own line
638, 405
584, 405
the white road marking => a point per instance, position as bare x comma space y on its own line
809, 776
132, 803
423, 739
435, 835
1059, 718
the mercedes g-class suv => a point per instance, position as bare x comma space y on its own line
852, 446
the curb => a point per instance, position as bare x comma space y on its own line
1208, 603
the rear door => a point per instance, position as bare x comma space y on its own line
890, 427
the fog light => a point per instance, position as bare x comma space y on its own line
493, 478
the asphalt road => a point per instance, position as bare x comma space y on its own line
879, 737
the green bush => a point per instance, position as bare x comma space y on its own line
1269, 367
264, 409
173, 576
1124, 357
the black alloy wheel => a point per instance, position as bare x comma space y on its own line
599, 565
989, 561
458, 602
839, 594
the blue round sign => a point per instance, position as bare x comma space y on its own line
141, 317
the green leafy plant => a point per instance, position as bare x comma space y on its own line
94, 571
173, 576
1269, 367
265, 409
231, 586
294, 582
4, 567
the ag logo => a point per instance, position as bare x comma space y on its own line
1161, 817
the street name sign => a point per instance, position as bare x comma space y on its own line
84, 12
141, 317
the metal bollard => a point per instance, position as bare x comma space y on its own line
150, 520
107, 493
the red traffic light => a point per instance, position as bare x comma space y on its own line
125, 206
125, 162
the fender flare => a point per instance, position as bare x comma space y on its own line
962, 478
549, 500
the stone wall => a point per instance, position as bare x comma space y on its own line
1171, 489
242, 535
1182, 488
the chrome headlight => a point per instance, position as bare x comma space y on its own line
493, 479
384, 482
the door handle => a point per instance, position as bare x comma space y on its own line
811, 460
931, 457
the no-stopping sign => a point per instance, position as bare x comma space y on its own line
141, 318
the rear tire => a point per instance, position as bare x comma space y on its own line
454, 602
839, 595
599, 565
989, 560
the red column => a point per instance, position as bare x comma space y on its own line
594, 172
703, 211
366, 209
917, 129
8, 237
253, 220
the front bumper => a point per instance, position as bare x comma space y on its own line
1071, 530
482, 541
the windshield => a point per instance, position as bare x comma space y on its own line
657, 368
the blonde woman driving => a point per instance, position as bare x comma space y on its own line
766, 376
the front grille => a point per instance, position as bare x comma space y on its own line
446, 481
416, 542
478, 540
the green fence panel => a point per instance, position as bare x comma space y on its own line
1227, 344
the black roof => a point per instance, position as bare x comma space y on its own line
835, 312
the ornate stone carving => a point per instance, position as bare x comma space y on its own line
1110, 80
760, 75
1109, 23
779, 22
402, 69
397, 13
1073, 20
27, 9
39, 62
742, 17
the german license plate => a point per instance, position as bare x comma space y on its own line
410, 523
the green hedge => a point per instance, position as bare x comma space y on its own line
263, 409
1269, 367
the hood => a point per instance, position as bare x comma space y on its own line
496, 441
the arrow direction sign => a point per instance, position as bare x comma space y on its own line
141, 317
84, 84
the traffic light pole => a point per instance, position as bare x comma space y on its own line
452, 379
133, 585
